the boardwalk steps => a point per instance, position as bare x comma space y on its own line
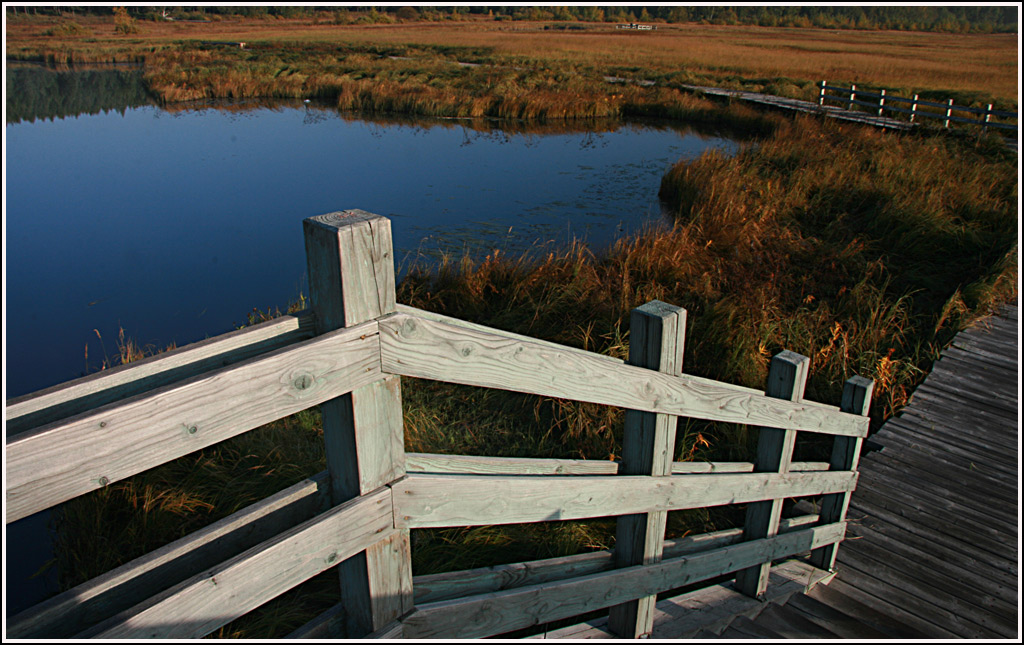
932, 540
933, 535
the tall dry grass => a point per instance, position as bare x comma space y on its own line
971, 68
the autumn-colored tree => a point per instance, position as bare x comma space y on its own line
123, 23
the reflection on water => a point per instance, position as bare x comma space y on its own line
35, 92
173, 223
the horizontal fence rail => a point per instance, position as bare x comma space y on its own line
420, 347
347, 355
467, 500
467, 465
123, 381
217, 596
881, 103
460, 584
500, 612
64, 459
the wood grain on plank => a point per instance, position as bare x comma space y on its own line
456, 584
787, 379
103, 596
657, 338
430, 315
476, 465
428, 349
497, 613
117, 383
218, 595
464, 500
352, 280
912, 595
67, 458
856, 399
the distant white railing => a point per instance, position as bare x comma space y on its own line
880, 102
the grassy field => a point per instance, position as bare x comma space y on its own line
303, 58
864, 250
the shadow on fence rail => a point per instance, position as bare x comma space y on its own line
347, 355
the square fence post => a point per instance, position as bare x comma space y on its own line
913, 109
949, 113
657, 336
853, 96
352, 280
857, 393
881, 102
787, 378
821, 95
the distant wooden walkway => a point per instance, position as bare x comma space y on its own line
933, 541
829, 111
804, 106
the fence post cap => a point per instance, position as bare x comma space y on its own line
342, 219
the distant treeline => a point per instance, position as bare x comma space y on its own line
959, 19
37, 93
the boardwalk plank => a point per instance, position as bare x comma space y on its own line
909, 437
993, 341
988, 355
967, 518
902, 620
790, 623
943, 410
886, 521
978, 360
985, 609
928, 487
951, 477
839, 623
992, 395
961, 389
1003, 415
917, 596
943, 442
998, 569
956, 468
872, 503
924, 553
972, 357
995, 333
906, 435
940, 443
973, 386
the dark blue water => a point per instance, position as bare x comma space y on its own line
174, 225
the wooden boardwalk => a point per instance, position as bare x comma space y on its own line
931, 550
829, 111
933, 541
804, 106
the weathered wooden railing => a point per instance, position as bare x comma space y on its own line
880, 103
348, 356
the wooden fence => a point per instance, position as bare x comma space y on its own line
879, 102
347, 355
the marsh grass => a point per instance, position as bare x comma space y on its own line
393, 67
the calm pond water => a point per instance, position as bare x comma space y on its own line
173, 225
